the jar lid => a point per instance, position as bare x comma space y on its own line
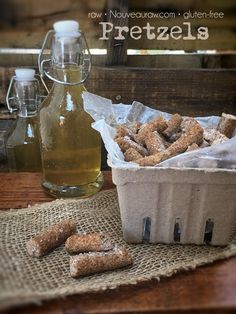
66, 28
24, 74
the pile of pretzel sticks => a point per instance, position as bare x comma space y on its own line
150, 143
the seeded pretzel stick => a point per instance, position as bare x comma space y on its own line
227, 124
79, 243
126, 143
51, 238
154, 143
157, 124
96, 262
173, 125
131, 154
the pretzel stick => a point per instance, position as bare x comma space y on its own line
227, 124
157, 124
51, 238
122, 131
153, 159
154, 143
132, 154
125, 143
97, 241
173, 125
96, 262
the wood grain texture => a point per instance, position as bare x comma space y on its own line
117, 49
184, 5
207, 290
31, 37
194, 92
193, 60
24, 189
191, 92
25, 22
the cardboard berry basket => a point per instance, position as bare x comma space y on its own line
176, 205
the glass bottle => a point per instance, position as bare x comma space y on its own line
70, 147
22, 145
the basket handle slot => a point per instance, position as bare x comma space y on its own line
208, 230
177, 230
146, 229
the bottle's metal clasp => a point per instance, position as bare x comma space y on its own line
42, 62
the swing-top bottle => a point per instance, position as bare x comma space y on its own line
70, 147
22, 145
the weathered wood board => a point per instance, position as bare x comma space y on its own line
27, 58
23, 23
188, 91
183, 5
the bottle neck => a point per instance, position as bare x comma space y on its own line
67, 59
66, 51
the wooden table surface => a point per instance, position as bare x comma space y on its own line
208, 289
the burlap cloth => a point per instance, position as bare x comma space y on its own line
26, 279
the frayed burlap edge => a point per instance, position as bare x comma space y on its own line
37, 298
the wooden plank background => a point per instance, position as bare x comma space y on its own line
23, 23
159, 60
188, 91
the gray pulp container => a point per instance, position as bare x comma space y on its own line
174, 205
